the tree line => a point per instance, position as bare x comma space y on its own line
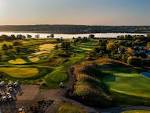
74, 29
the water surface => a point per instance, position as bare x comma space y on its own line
45, 35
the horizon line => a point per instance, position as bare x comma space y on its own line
66, 25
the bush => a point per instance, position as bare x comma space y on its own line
146, 62
112, 46
135, 61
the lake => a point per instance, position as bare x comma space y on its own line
44, 35
146, 74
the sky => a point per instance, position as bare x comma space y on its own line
85, 12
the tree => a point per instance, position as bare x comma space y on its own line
21, 37
17, 43
66, 45
1, 56
29, 36
91, 36
135, 61
56, 46
111, 46
5, 47
100, 50
130, 51
148, 35
13, 37
102, 42
128, 37
52, 36
124, 57
10, 47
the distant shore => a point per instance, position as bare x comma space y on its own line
74, 29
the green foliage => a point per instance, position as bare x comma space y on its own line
17, 43
65, 45
135, 61
112, 46
91, 36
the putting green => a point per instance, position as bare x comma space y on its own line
17, 61
20, 72
130, 84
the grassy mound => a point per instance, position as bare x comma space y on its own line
137, 111
60, 73
17, 61
17, 72
70, 108
87, 87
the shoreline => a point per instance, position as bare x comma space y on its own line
47, 32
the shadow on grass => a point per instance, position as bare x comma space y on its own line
99, 77
125, 99
116, 68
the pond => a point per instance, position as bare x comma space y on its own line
146, 74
